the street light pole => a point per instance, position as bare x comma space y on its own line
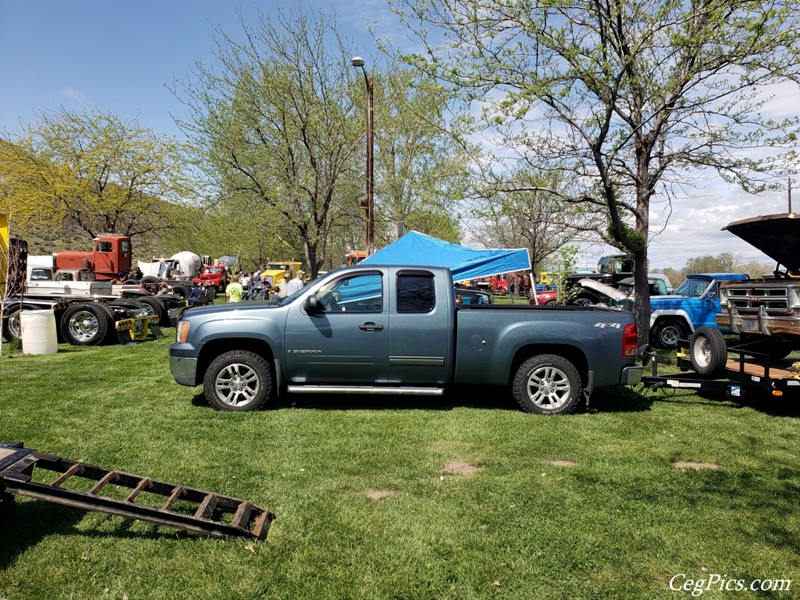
358, 62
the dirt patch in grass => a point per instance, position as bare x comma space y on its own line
697, 466
377, 494
562, 463
460, 468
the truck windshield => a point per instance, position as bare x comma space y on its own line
693, 288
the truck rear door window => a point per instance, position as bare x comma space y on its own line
415, 293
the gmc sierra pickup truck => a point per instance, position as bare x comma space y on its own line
397, 330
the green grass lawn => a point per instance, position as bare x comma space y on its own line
460, 497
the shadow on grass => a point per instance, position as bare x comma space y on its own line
475, 397
33, 520
785, 406
488, 397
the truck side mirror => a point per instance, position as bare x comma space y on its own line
310, 305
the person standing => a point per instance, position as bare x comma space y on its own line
296, 284
234, 291
283, 286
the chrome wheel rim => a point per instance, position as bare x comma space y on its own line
83, 326
548, 388
237, 384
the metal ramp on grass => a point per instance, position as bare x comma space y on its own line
134, 496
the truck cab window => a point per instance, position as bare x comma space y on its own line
104, 247
415, 293
358, 294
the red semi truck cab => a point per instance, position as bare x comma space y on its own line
110, 259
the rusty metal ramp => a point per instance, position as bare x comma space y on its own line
26, 472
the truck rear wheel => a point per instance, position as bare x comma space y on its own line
238, 380
547, 384
708, 351
85, 324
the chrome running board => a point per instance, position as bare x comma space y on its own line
365, 389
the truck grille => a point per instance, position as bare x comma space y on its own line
776, 300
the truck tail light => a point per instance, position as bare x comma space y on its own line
182, 331
630, 337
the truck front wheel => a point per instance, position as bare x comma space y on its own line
667, 332
547, 384
238, 380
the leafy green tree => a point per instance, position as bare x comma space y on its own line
724, 262
94, 172
421, 169
272, 121
627, 97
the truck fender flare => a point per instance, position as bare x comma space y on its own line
680, 314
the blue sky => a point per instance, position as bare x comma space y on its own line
120, 56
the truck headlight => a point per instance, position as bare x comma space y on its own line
181, 331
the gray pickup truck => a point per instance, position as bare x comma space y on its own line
398, 330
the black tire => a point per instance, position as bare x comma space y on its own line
707, 351
153, 306
211, 293
131, 281
547, 384
150, 279
85, 324
238, 381
667, 331
182, 290
11, 328
169, 302
583, 300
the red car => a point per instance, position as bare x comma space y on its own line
544, 297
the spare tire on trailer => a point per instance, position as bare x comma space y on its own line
707, 351
150, 279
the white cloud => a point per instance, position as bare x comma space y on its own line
74, 96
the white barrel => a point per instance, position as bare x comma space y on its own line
38, 332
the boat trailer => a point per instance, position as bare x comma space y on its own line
196, 511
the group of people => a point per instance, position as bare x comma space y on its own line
251, 286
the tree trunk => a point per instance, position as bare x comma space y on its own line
642, 295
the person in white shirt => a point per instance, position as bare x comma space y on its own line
296, 283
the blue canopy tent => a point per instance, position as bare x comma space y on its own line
416, 248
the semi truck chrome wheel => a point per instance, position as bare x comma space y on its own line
85, 324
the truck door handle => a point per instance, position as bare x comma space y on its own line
370, 326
